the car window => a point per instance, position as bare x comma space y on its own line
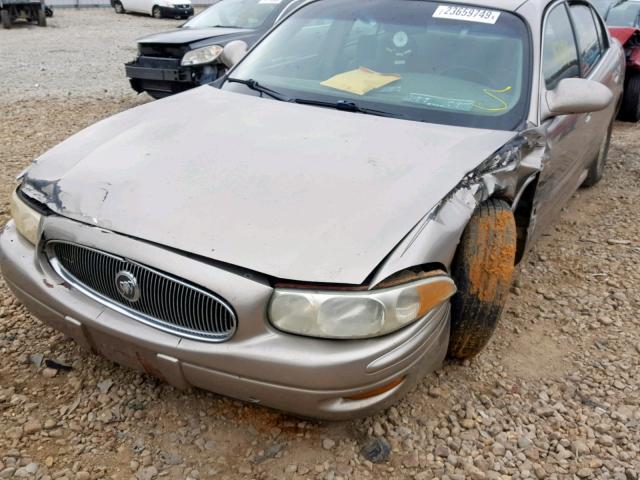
288, 9
589, 45
625, 14
235, 13
601, 29
425, 61
559, 53
602, 5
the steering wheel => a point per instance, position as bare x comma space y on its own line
467, 73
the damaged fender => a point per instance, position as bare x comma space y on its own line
506, 174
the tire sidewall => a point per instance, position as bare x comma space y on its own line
482, 269
6, 19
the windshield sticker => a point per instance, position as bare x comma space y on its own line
467, 14
359, 81
400, 39
440, 102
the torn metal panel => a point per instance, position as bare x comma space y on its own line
435, 238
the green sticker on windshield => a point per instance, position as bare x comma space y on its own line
440, 102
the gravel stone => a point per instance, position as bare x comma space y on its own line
328, 444
376, 450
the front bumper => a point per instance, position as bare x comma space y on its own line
165, 76
260, 365
177, 11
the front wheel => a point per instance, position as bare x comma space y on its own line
156, 12
42, 18
117, 6
482, 269
630, 110
5, 18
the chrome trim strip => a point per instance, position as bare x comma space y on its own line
159, 279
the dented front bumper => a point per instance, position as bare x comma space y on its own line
310, 377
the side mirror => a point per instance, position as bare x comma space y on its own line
575, 95
233, 52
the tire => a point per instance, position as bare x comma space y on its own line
42, 18
5, 18
156, 12
630, 110
482, 269
117, 6
596, 170
157, 95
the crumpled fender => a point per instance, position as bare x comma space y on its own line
435, 238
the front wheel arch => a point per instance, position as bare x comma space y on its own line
482, 269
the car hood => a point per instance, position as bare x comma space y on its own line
623, 34
180, 36
293, 191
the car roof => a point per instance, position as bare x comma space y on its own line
510, 5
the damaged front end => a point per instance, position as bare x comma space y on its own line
160, 70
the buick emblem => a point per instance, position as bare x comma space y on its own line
127, 285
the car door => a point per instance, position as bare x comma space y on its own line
598, 63
131, 5
564, 133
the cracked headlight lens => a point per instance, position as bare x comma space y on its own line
357, 314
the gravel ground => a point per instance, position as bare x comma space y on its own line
80, 52
554, 396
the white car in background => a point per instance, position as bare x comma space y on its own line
156, 8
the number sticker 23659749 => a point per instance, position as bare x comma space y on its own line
467, 14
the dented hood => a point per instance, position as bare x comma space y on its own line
188, 35
293, 191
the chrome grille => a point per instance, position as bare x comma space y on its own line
163, 301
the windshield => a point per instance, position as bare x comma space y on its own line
424, 61
235, 13
624, 15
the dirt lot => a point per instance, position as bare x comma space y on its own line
555, 396
80, 53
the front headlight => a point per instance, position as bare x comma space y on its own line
26, 218
200, 56
357, 314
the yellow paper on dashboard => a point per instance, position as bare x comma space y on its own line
360, 81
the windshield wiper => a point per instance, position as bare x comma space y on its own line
343, 105
254, 85
348, 106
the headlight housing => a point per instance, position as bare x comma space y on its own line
357, 314
26, 218
200, 56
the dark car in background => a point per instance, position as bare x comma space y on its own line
180, 59
623, 20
